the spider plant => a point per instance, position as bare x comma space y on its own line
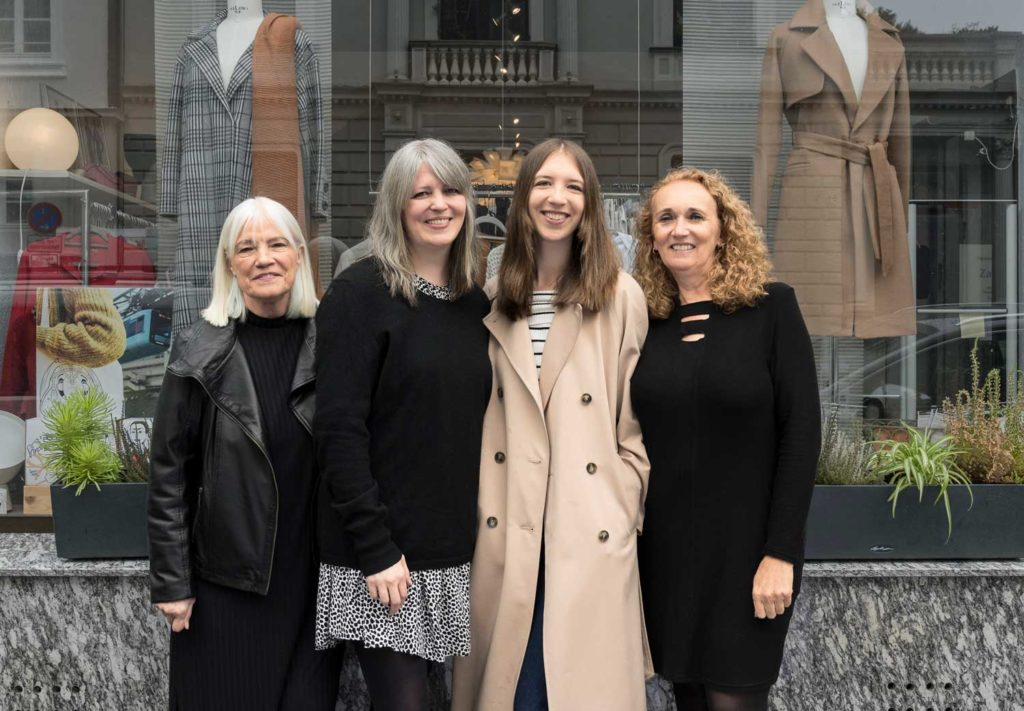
921, 462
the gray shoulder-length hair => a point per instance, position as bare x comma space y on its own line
227, 301
385, 230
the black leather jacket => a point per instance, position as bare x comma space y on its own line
212, 491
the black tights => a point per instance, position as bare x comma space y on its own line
396, 681
697, 697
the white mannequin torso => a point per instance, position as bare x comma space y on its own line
236, 33
851, 33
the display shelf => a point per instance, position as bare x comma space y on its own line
81, 181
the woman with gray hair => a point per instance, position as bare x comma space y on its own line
403, 379
232, 479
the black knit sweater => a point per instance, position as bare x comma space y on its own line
401, 394
271, 348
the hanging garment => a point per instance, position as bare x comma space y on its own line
276, 156
207, 159
841, 234
57, 261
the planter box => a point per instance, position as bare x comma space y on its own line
856, 523
109, 523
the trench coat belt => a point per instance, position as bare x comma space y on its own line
873, 155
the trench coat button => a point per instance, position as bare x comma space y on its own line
591, 468
501, 393
492, 522
602, 536
499, 457
586, 399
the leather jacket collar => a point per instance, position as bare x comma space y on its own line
211, 355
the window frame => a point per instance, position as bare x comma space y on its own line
36, 64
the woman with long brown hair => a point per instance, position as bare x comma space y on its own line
727, 398
555, 597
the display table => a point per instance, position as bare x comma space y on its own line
865, 636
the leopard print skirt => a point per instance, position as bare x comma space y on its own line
433, 623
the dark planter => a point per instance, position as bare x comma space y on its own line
856, 523
108, 523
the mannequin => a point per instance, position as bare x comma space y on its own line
851, 33
836, 73
236, 33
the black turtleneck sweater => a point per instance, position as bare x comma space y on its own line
271, 347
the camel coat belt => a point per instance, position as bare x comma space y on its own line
563, 465
879, 184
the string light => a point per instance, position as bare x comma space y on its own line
515, 122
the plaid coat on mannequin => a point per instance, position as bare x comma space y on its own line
207, 158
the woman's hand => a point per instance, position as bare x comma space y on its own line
773, 588
178, 613
390, 586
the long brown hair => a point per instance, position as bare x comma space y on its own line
741, 268
593, 268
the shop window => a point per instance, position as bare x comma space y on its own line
486, 20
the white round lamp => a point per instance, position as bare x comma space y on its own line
41, 139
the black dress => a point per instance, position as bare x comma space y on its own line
732, 427
248, 651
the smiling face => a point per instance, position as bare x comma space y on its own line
264, 263
686, 228
434, 213
556, 199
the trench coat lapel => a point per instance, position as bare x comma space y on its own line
885, 54
513, 337
565, 327
822, 48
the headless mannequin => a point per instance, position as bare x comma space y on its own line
851, 33
236, 33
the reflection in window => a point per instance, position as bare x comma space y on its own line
484, 20
25, 27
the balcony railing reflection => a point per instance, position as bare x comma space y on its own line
944, 69
960, 61
468, 63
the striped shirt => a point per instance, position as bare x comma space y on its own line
542, 311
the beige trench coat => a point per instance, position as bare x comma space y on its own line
562, 459
840, 238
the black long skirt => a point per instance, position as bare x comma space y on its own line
255, 652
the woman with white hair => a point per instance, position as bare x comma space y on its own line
403, 379
232, 480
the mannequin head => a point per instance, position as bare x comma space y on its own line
840, 8
242, 9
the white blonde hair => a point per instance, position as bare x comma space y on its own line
386, 233
227, 301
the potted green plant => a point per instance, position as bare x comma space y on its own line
973, 472
99, 499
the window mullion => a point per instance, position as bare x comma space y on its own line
19, 27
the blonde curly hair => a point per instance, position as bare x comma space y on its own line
741, 268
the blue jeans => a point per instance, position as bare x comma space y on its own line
532, 690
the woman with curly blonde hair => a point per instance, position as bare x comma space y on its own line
726, 395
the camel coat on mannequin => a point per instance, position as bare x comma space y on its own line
562, 460
841, 234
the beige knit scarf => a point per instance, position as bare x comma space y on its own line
276, 156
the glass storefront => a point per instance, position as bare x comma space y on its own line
878, 145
